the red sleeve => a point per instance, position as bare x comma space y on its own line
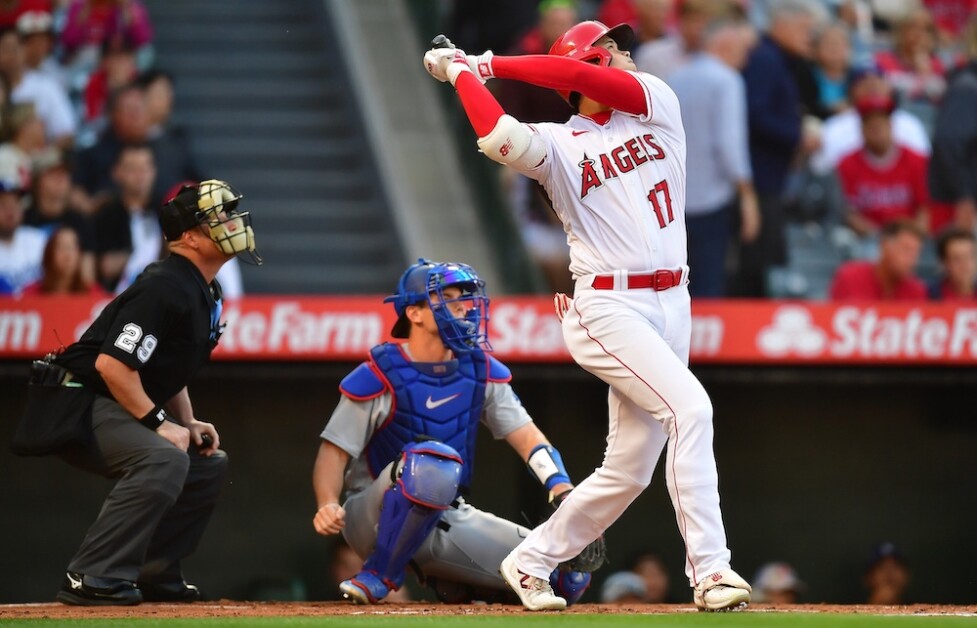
920, 180
481, 107
610, 86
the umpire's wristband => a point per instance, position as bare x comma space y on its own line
154, 418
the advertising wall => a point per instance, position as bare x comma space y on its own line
525, 329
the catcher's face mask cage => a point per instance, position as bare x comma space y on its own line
462, 318
212, 204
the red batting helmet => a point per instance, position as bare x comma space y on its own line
578, 43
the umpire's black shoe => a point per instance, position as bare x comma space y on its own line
174, 591
82, 590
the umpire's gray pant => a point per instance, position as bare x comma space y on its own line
159, 508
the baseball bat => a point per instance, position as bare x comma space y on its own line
441, 41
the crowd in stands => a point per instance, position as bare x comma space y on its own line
89, 149
885, 578
823, 120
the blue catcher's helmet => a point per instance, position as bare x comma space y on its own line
424, 282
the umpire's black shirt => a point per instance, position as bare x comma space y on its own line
164, 325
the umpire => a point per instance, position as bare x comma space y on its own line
137, 358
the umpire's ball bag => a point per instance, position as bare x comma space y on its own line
55, 418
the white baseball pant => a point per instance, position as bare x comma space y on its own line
638, 342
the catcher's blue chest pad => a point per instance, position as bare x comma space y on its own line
440, 400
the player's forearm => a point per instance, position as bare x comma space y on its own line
327, 475
609, 86
481, 107
125, 385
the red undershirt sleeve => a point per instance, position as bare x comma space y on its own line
480, 105
610, 86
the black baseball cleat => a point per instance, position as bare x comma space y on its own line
81, 590
173, 591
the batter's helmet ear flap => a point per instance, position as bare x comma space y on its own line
578, 43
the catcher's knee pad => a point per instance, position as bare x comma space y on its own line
428, 483
430, 473
570, 585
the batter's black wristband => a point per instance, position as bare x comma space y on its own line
154, 419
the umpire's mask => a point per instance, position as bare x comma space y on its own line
212, 204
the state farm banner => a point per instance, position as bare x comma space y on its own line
525, 329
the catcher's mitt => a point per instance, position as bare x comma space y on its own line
591, 557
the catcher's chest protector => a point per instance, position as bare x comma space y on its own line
441, 401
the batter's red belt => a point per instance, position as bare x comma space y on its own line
658, 280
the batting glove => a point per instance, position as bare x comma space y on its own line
445, 64
481, 65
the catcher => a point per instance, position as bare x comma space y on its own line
407, 420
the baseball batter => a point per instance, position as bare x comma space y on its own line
615, 173
408, 421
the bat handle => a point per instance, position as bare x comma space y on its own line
441, 41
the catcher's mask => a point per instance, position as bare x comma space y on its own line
425, 282
212, 204
580, 43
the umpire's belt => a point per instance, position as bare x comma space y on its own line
653, 280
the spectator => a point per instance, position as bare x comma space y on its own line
28, 86
36, 30
116, 69
886, 576
21, 247
882, 181
542, 233
891, 278
650, 567
653, 21
777, 583
773, 110
62, 268
856, 16
170, 140
832, 70
157, 85
127, 229
953, 169
840, 134
912, 66
957, 249
129, 123
950, 17
11, 10
665, 55
90, 23
50, 208
713, 99
23, 139
538, 104
623, 587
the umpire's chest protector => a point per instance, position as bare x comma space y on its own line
440, 400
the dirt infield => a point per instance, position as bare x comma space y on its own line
232, 608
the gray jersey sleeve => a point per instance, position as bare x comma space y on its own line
503, 413
353, 422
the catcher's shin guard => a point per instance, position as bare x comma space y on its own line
570, 585
428, 483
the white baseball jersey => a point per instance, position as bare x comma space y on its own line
619, 188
